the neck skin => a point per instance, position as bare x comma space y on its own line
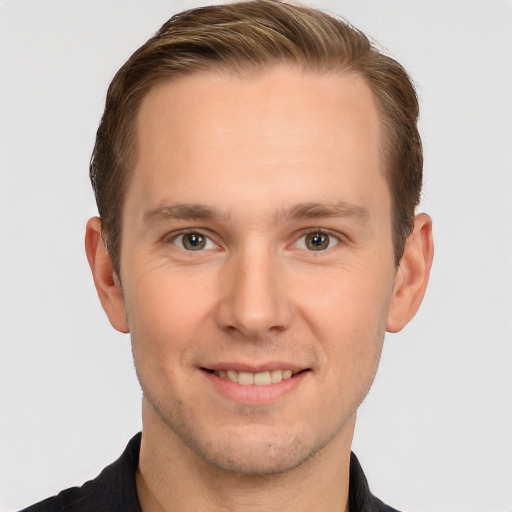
170, 476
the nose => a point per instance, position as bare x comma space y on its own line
253, 300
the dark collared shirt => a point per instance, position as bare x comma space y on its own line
113, 490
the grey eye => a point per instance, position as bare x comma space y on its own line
193, 242
317, 241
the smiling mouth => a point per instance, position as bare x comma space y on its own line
257, 379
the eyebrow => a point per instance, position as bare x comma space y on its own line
300, 211
339, 209
182, 211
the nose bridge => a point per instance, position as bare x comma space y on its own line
253, 300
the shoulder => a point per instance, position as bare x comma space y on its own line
360, 497
380, 506
48, 505
112, 490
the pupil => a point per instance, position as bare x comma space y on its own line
318, 241
194, 240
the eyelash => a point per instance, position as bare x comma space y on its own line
334, 239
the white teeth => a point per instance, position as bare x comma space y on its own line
245, 378
259, 379
276, 376
232, 375
262, 379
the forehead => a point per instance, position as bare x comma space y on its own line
284, 126
258, 100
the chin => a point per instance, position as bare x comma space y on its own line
250, 444
253, 450
258, 458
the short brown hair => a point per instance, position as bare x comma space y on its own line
250, 37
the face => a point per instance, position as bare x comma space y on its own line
257, 248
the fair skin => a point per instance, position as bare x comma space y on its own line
256, 239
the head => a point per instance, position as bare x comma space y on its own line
257, 169
248, 38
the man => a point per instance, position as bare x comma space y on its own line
256, 171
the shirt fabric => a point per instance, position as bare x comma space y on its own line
114, 490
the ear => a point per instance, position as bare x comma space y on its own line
412, 274
106, 282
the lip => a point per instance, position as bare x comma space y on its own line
254, 394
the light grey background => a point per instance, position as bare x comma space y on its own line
435, 432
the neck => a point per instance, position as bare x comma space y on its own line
171, 476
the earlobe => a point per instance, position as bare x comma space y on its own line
106, 282
412, 275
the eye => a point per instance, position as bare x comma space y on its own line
317, 241
193, 241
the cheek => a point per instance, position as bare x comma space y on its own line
347, 313
162, 327
165, 314
353, 297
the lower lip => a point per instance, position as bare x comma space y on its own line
254, 394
